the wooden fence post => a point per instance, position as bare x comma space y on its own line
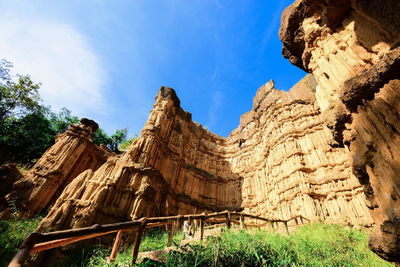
179, 222
115, 248
286, 227
171, 233
241, 219
43, 241
201, 229
138, 239
190, 226
195, 226
228, 220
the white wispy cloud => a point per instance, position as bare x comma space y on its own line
57, 55
216, 103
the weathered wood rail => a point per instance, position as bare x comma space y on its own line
36, 242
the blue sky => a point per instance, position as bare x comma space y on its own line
107, 59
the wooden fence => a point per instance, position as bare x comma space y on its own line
37, 242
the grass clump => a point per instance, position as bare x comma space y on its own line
154, 239
311, 245
12, 234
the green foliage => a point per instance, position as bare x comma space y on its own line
62, 120
311, 245
126, 143
154, 239
16, 97
24, 126
100, 137
27, 137
117, 138
114, 141
27, 128
12, 233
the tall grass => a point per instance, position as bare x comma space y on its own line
311, 245
12, 233
153, 240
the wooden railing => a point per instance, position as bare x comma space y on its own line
37, 242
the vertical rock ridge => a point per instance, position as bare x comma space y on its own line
356, 65
72, 153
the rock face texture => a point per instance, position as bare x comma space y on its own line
72, 153
175, 166
278, 163
351, 48
289, 163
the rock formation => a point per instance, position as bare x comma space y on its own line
278, 163
327, 149
72, 153
289, 162
351, 48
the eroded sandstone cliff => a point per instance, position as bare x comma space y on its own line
351, 48
72, 153
278, 163
289, 162
327, 149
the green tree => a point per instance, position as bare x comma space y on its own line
24, 127
117, 138
62, 120
113, 142
17, 98
101, 137
28, 137
27, 128
126, 144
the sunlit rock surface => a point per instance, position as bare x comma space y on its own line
351, 48
72, 153
278, 163
328, 149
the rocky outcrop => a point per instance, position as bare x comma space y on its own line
72, 153
327, 149
278, 163
289, 162
175, 166
351, 48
